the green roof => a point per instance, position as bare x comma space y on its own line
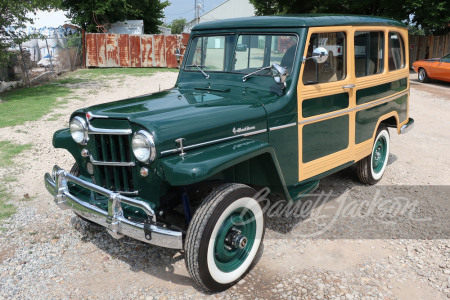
297, 21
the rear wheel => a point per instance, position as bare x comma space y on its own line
371, 168
423, 76
224, 238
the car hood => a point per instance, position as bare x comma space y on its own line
197, 116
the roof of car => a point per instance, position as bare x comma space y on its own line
313, 20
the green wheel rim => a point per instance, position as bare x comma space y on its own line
227, 257
379, 154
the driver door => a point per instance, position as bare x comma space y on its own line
325, 98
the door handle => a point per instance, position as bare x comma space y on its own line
348, 86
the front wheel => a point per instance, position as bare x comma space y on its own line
423, 76
371, 168
224, 238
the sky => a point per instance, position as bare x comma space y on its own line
176, 9
185, 9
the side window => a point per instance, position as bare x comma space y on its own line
446, 59
396, 49
369, 53
334, 69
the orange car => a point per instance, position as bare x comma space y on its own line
435, 68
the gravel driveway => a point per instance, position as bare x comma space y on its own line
340, 248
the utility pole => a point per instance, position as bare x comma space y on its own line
199, 4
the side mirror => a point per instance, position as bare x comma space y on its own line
279, 74
319, 55
241, 47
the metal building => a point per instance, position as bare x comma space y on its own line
226, 10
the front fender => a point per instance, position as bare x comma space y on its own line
63, 139
201, 164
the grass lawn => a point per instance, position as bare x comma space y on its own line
8, 151
30, 103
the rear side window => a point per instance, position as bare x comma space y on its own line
334, 68
369, 53
396, 48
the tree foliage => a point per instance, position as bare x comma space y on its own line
13, 19
177, 25
88, 14
433, 16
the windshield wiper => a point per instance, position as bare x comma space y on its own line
259, 70
194, 65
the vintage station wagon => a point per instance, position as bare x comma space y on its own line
275, 101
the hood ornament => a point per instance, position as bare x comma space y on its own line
180, 143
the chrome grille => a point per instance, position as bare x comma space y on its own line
112, 160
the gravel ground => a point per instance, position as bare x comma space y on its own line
385, 254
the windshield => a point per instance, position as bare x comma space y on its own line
242, 54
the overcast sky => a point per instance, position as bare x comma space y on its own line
177, 9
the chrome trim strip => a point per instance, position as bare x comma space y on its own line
361, 107
374, 103
129, 193
111, 163
113, 219
282, 126
94, 130
171, 151
91, 116
341, 112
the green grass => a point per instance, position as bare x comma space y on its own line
8, 151
29, 104
6, 209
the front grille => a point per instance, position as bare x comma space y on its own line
112, 148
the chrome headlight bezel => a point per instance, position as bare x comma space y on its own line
84, 130
150, 143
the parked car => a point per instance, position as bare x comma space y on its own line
435, 68
180, 168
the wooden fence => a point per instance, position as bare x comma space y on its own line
423, 47
133, 51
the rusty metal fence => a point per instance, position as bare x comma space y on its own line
424, 47
133, 51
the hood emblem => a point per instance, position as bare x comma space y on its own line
243, 129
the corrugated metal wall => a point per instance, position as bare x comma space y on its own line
133, 51
423, 47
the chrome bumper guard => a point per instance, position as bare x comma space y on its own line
113, 219
408, 126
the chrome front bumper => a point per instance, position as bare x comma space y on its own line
113, 219
408, 126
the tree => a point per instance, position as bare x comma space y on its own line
13, 20
88, 14
177, 25
433, 16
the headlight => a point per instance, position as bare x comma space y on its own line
79, 130
143, 146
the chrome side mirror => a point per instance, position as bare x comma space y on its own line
279, 74
319, 55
